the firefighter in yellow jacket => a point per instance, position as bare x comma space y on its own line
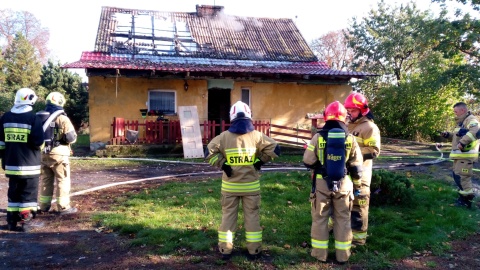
464, 152
59, 135
360, 124
336, 159
240, 152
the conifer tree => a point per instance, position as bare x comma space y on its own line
22, 68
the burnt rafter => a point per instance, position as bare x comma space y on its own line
147, 37
205, 43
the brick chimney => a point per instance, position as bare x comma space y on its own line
208, 11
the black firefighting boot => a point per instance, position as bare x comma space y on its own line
12, 219
464, 201
41, 211
469, 200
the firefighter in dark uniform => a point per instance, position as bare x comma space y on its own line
55, 160
240, 152
464, 152
21, 141
360, 124
336, 159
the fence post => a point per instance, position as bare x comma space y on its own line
212, 129
205, 132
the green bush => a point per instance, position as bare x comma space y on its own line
389, 188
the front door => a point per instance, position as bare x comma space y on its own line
219, 106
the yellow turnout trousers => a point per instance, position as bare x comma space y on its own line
322, 201
55, 167
228, 227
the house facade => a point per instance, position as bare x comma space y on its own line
154, 62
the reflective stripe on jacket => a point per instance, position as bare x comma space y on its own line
367, 134
21, 139
240, 151
65, 127
353, 159
469, 140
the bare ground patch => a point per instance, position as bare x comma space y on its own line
76, 242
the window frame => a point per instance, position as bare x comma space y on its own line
167, 91
249, 95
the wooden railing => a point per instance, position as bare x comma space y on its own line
294, 136
160, 132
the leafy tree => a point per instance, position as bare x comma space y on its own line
54, 78
5, 96
333, 49
420, 106
22, 69
418, 82
14, 22
389, 41
460, 35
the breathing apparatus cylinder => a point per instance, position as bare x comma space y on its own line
335, 157
48, 130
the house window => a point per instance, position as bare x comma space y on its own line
163, 101
246, 96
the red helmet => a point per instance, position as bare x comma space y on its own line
357, 101
335, 111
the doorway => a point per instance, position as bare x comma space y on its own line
219, 106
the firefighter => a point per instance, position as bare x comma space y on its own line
21, 141
55, 160
360, 124
464, 152
240, 152
336, 160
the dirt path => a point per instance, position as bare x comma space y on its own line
75, 242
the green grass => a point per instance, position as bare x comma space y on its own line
186, 216
83, 140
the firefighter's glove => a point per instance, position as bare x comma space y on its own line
461, 132
445, 134
357, 192
258, 164
315, 165
227, 169
63, 140
356, 172
277, 150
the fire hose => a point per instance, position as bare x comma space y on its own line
265, 168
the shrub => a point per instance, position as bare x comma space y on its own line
389, 188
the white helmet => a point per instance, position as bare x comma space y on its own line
56, 98
25, 96
240, 110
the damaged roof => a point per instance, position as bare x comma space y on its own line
203, 41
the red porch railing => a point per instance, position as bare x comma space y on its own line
160, 132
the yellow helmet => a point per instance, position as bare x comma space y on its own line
56, 98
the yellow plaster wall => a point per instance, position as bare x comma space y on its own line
283, 104
288, 103
124, 97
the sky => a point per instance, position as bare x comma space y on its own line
73, 24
